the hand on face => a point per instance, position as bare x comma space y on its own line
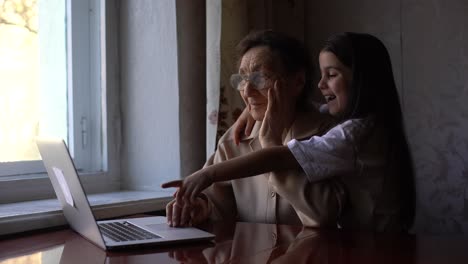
279, 115
256, 101
259, 65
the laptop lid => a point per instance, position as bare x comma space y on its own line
68, 188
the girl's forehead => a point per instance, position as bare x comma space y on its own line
328, 59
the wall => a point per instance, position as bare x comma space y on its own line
428, 44
150, 149
191, 34
435, 61
162, 90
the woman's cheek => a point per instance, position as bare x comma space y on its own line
264, 93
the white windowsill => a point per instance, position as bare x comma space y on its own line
32, 215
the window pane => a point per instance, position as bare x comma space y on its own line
32, 75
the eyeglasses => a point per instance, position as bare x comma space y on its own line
257, 79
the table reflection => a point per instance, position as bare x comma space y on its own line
257, 243
245, 243
235, 242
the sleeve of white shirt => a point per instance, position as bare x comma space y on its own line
331, 154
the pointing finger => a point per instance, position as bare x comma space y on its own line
177, 183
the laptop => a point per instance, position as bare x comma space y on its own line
110, 234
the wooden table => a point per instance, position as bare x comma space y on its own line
245, 243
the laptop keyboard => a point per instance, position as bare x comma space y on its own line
125, 231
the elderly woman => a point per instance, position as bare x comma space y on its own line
267, 59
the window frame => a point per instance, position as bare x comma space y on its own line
27, 180
84, 83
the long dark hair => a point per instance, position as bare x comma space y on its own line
373, 92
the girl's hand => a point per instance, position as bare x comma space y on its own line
191, 187
243, 124
278, 116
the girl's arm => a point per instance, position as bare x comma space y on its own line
258, 162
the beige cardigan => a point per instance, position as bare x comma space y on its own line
284, 197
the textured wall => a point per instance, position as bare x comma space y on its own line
428, 44
435, 81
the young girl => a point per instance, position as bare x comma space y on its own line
367, 150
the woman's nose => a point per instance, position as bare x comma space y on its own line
249, 89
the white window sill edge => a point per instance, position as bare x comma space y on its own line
39, 214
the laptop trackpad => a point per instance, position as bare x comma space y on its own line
180, 232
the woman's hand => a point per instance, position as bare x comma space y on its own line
183, 214
188, 208
278, 116
243, 124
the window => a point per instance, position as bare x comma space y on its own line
19, 86
50, 85
148, 89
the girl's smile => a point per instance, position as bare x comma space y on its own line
335, 83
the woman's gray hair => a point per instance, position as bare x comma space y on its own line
291, 52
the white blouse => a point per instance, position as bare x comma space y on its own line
356, 152
333, 154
